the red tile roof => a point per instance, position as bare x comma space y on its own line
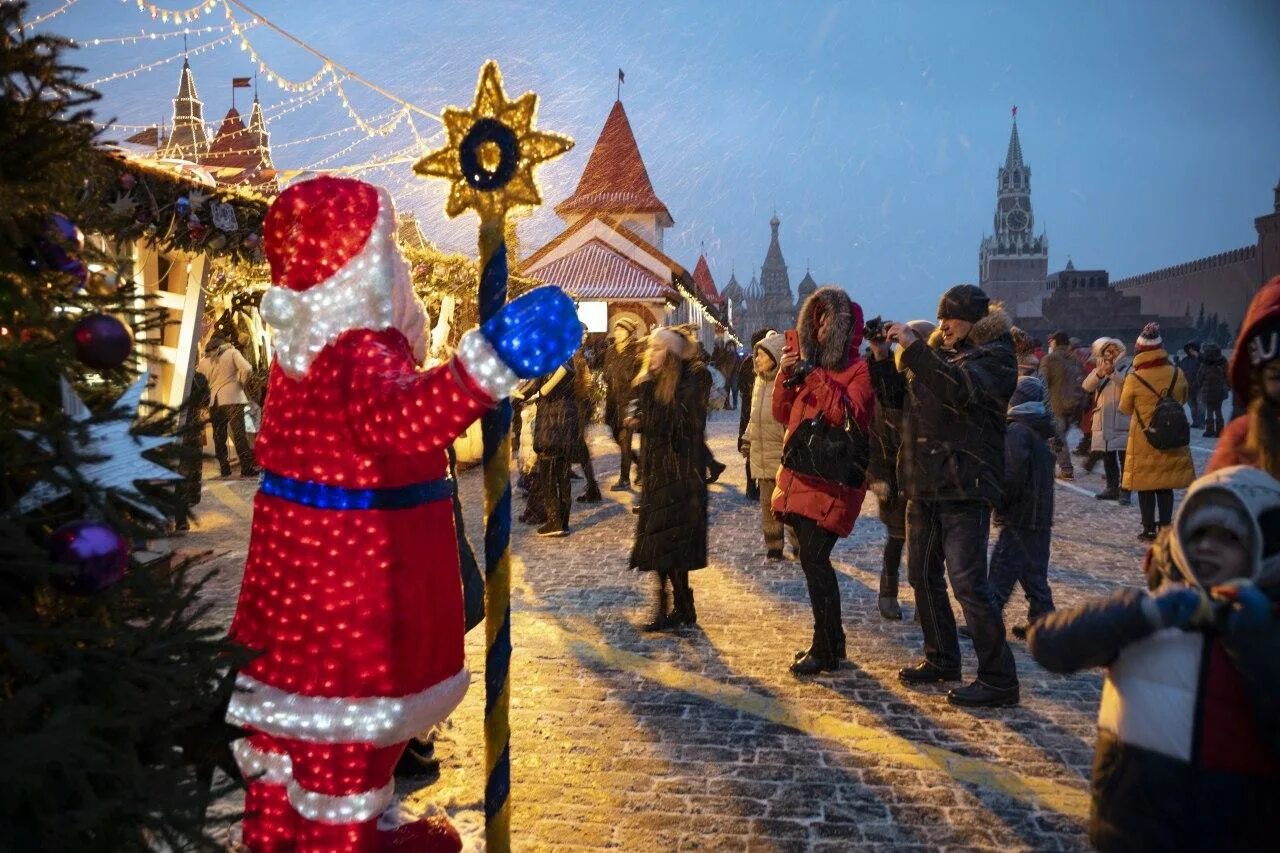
615, 180
236, 147
596, 271
705, 283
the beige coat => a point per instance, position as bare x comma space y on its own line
764, 433
1110, 425
1145, 468
226, 371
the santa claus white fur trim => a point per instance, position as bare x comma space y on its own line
361, 295
484, 366
258, 765
348, 808
377, 720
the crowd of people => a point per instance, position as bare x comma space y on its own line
959, 430
966, 427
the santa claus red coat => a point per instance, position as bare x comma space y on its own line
351, 594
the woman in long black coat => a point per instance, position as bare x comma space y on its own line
671, 533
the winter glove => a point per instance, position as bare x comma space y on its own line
1182, 607
535, 333
1251, 609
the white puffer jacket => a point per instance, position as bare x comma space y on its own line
1110, 425
764, 433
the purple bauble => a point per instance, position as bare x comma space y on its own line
97, 554
59, 247
102, 341
64, 230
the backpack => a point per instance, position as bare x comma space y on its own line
1169, 428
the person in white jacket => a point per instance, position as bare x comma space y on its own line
1110, 425
226, 370
762, 440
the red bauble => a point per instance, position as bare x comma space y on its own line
102, 341
97, 554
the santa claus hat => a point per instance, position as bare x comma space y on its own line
1149, 339
331, 245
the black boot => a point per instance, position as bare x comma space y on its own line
661, 618
813, 663
591, 495
1092, 462
684, 612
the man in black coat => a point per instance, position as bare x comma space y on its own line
951, 468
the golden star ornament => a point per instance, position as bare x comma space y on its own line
491, 151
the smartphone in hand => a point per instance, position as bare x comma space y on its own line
792, 339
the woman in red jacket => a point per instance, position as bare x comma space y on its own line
827, 375
1253, 438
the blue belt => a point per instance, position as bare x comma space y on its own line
323, 496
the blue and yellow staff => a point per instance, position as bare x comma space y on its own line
489, 159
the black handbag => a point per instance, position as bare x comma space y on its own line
838, 454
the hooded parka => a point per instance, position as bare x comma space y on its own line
1110, 425
839, 378
1188, 751
1258, 342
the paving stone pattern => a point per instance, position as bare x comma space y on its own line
702, 739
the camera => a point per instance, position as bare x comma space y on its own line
874, 330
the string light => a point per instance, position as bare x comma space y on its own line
152, 36
178, 16
271, 74
337, 154
133, 72
368, 128
329, 61
30, 25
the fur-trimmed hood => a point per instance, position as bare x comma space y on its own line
841, 348
990, 327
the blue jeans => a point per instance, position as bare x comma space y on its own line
951, 537
1021, 556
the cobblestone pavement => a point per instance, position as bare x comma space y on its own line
702, 740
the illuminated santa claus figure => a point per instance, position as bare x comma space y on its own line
351, 593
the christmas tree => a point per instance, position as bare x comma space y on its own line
111, 686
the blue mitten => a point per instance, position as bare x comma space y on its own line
1252, 609
1178, 606
535, 333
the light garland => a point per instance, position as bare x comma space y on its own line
269, 114
327, 60
337, 154
271, 74
368, 128
31, 25
134, 72
151, 36
178, 16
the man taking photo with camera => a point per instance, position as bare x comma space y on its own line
953, 396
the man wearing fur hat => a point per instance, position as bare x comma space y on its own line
951, 468
351, 599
